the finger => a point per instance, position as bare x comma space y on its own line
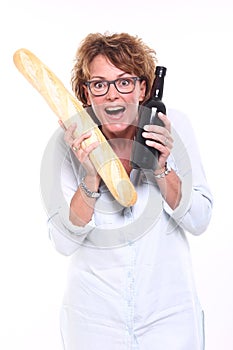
165, 120
87, 150
160, 130
79, 143
164, 138
164, 150
62, 125
69, 134
76, 143
166, 141
75, 148
82, 153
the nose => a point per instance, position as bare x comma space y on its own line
112, 93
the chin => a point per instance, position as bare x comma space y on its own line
118, 126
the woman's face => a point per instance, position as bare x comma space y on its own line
115, 111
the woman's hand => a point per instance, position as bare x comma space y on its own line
78, 147
159, 137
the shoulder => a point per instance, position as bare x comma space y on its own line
181, 124
178, 118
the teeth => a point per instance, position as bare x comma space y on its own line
113, 110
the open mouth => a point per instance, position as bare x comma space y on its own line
114, 110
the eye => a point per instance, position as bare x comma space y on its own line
98, 85
125, 82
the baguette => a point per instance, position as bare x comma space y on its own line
70, 110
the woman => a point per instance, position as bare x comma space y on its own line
135, 293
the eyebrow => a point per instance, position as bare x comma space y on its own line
103, 78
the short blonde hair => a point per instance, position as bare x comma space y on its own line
126, 52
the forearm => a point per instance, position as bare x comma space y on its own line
82, 206
170, 188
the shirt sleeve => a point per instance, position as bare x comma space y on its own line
60, 174
194, 211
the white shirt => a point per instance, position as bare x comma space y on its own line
130, 282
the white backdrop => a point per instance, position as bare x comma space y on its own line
193, 39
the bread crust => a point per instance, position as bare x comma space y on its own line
70, 110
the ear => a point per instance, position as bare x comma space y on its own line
142, 90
